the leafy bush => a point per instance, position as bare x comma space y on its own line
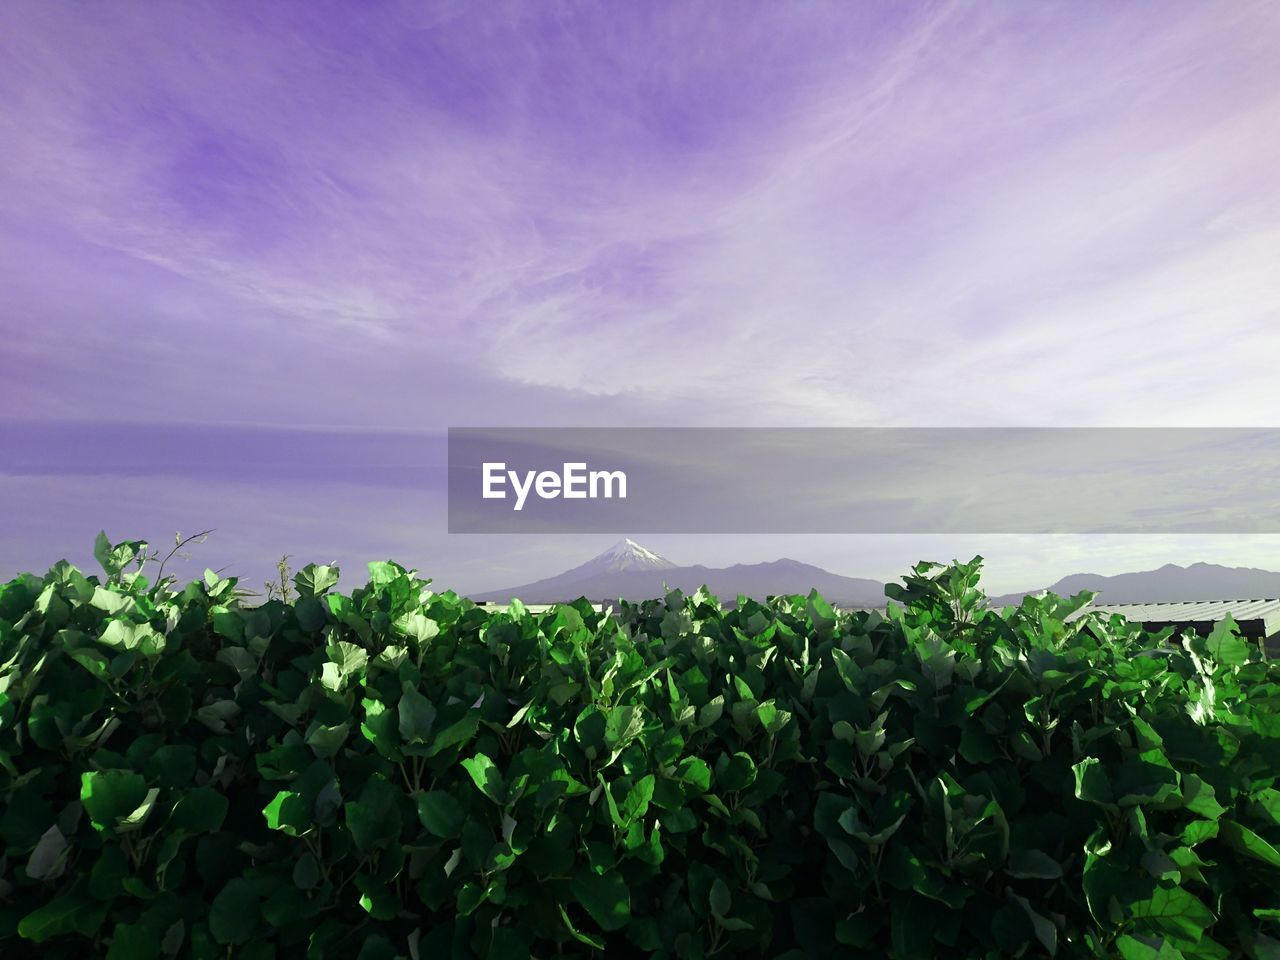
402, 773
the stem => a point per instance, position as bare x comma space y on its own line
178, 546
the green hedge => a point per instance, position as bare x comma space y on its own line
400, 773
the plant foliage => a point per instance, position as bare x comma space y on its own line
400, 773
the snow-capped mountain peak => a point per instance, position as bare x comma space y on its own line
629, 555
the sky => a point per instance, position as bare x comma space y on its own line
222, 218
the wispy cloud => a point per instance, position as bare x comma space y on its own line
861, 214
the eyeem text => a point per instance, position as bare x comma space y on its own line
574, 482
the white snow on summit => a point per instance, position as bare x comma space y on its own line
629, 555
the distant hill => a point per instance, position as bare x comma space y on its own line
628, 571
1200, 581
631, 572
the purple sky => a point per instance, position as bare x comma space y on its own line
406, 216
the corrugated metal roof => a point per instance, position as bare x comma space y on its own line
1259, 618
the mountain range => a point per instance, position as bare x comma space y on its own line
629, 571
1199, 581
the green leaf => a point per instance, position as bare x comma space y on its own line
1173, 912
1033, 864
314, 580
456, 734
440, 813
911, 926
306, 872
695, 772
1198, 831
377, 899
1225, 644
1241, 838
581, 937
233, 917
1199, 798
976, 745
347, 659
379, 728
312, 614
92, 660
126, 635
48, 859
719, 900
606, 898
108, 795
1268, 801
327, 741
508, 944
418, 626
1160, 865
735, 772
821, 613
239, 659
1131, 948
133, 941
636, 803
290, 813
486, 776
102, 553
217, 715
135, 819
374, 819
416, 715
711, 713
72, 912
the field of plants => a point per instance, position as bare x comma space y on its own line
394, 772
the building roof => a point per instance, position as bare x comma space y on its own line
1257, 618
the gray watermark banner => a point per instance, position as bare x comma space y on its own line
637, 480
